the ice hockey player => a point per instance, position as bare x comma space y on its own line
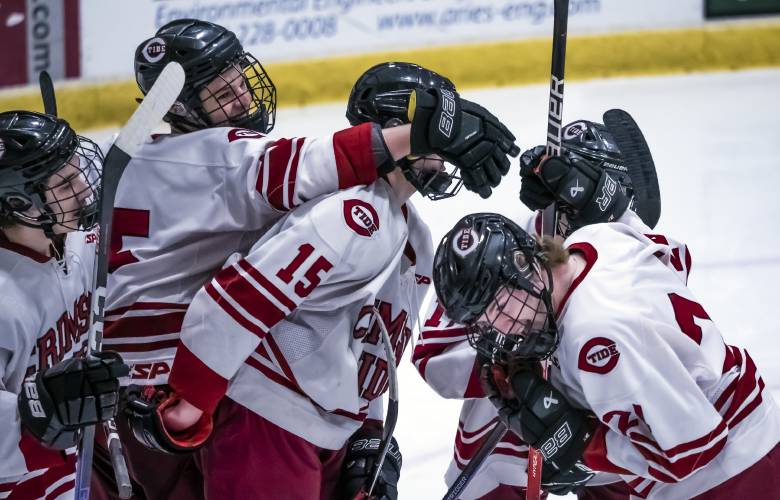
289, 333
48, 391
642, 384
449, 364
211, 188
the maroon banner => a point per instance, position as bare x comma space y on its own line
39, 35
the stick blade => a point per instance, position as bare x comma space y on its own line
150, 113
639, 161
47, 93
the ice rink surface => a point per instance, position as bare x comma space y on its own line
716, 143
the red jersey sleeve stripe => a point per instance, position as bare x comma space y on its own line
253, 301
275, 164
144, 326
195, 381
458, 332
423, 351
233, 312
354, 156
281, 362
292, 173
270, 287
683, 467
595, 454
37, 456
474, 387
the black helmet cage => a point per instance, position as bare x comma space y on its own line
207, 52
35, 150
381, 95
485, 264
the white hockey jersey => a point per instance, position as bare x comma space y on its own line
187, 202
44, 318
288, 331
680, 411
448, 364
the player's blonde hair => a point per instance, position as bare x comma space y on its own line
553, 251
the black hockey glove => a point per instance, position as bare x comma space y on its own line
592, 194
362, 453
570, 481
540, 415
464, 134
75, 393
144, 408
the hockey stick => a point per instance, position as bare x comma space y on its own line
468, 473
549, 218
555, 107
140, 125
639, 162
47, 93
392, 409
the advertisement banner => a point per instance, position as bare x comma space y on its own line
287, 30
38, 35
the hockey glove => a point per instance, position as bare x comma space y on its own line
75, 393
570, 481
144, 408
540, 415
464, 134
591, 194
362, 453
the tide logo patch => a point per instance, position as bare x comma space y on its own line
236, 134
598, 355
154, 50
361, 217
465, 242
574, 130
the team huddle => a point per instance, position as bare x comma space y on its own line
260, 289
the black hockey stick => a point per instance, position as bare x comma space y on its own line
392, 408
468, 473
140, 125
555, 107
639, 162
47, 93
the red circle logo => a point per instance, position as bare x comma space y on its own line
361, 217
598, 355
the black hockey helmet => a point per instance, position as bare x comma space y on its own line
594, 142
208, 51
381, 95
44, 168
478, 264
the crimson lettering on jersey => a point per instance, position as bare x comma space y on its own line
149, 371
372, 369
396, 327
60, 339
435, 320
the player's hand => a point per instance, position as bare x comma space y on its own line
75, 393
463, 133
362, 453
591, 194
164, 422
539, 414
564, 482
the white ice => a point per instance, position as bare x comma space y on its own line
714, 139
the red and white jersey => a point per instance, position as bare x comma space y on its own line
44, 318
187, 202
680, 411
288, 331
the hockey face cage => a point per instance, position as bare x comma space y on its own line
242, 95
519, 323
430, 175
67, 198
